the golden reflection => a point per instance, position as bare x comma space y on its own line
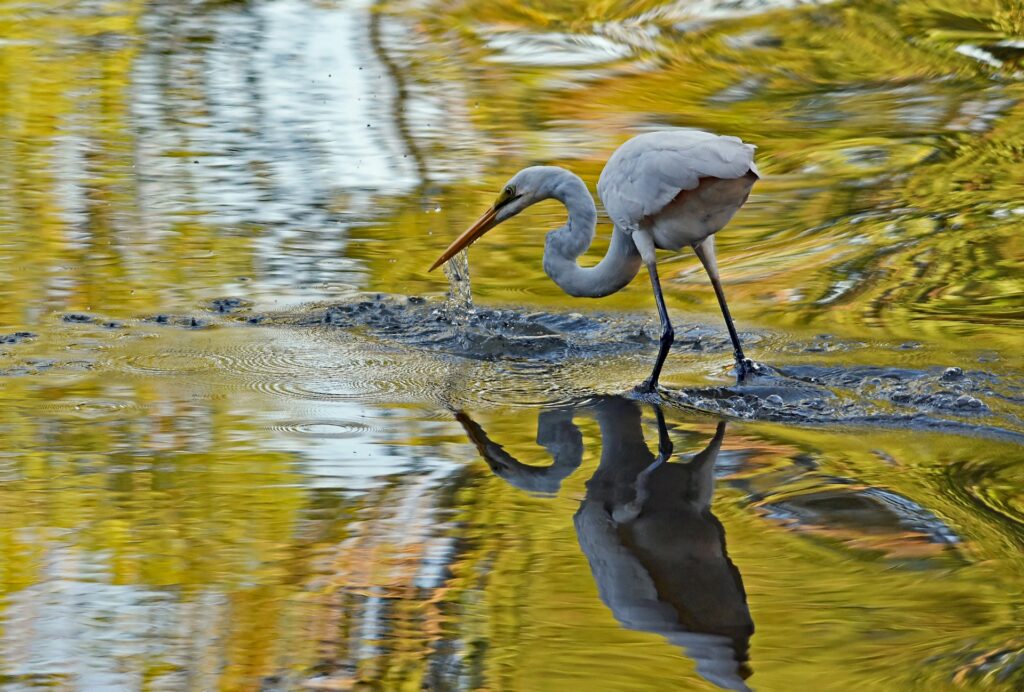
655, 549
891, 158
158, 531
782, 501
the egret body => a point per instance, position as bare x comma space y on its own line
662, 190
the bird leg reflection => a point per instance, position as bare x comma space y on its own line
632, 509
655, 550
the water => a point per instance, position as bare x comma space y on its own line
460, 290
250, 444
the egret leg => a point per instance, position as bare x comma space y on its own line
667, 333
705, 251
645, 245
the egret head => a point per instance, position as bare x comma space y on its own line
526, 187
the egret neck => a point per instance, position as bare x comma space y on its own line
564, 245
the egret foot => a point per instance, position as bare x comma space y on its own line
746, 368
648, 386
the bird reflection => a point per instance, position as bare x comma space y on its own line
645, 525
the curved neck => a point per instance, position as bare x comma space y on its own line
563, 245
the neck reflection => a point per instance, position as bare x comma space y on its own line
656, 551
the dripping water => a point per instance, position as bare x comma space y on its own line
460, 293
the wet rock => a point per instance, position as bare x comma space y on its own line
113, 324
952, 374
32, 366
16, 337
227, 305
187, 321
480, 333
966, 401
78, 318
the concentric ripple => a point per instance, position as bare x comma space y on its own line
175, 362
89, 408
323, 429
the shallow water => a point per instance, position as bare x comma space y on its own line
249, 445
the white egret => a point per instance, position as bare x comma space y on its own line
664, 190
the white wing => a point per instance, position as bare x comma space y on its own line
649, 170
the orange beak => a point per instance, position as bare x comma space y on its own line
482, 225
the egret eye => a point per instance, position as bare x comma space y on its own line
506, 196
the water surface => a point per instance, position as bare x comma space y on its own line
248, 446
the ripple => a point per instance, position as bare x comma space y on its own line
316, 372
527, 393
92, 409
380, 347
323, 429
175, 362
263, 358
342, 390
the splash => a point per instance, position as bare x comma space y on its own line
460, 292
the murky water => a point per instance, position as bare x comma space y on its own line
249, 445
